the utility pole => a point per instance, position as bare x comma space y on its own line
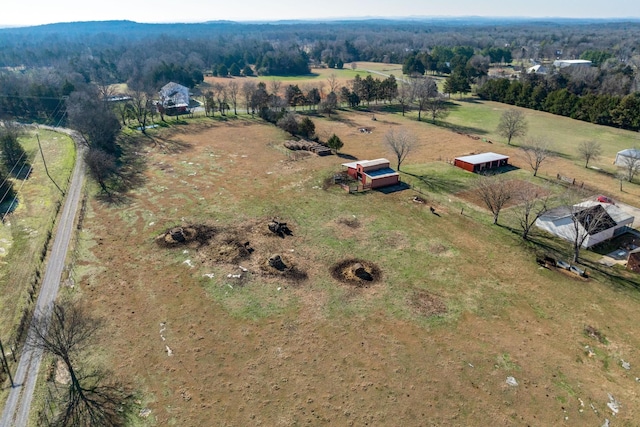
6, 365
45, 165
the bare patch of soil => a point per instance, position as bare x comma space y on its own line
428, 304
351, 222
356, 272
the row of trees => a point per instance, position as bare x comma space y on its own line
537, 94
390, 41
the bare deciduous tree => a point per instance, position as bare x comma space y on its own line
512, 124
233, 89
220, 92
586, 221
437, 108
92, 398
589, 150
274, 86
422, 90
404, 95
401, 143
630, 163
329, 104
141, 103
494, 192
248, 88
531, 205
535, 152
333, 83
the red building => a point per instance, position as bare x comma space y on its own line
633, 262
481, 162
372, 173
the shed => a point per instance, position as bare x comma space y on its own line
481, 162
627, 157
373, 173
633, 262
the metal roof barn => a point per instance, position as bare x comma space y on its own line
481, 162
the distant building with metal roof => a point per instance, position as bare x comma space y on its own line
481, 162
563, 63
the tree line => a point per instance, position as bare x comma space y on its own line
559, 95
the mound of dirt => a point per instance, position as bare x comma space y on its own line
351, 222
428, 304
186, 235
282, 266
357, 272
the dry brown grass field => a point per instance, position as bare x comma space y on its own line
459, 305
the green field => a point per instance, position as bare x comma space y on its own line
26, 232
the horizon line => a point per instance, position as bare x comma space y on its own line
334, 19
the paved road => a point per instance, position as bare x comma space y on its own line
16, 410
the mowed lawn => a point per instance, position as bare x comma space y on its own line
460, 307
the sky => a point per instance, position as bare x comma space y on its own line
36, 12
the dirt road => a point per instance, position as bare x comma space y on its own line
16, 410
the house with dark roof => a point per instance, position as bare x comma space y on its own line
594, 221
174, 99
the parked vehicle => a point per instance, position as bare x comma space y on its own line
562, 264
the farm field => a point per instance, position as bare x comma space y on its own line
319, 76
456, 308
25, 233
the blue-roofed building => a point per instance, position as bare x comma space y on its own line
372, 173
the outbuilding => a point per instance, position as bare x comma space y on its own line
564, 63
628, 157
372, 173
594, 221
633, 262
481, 162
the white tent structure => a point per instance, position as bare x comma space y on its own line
591, 220
625, 157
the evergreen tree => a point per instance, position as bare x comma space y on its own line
335, 143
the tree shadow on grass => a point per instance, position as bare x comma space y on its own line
463, 130
437, 184
130, 174
170, 145
346, 156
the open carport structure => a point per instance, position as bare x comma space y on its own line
481, 162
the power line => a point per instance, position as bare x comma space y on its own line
32, 97
45, 165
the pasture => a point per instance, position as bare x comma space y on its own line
209, 335
26, 232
